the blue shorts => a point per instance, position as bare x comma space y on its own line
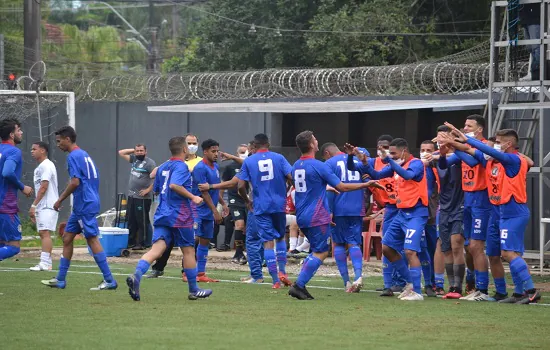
204, 228
348, 230
179, 236
271, 226
318, 237
405, 232
10, 227
476, 221
493, 236
511, 233
390, 212
85, 224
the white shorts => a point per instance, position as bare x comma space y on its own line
290, 219
46, 220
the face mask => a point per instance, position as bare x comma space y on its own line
399, 161
438, 145
243, 155
487, 157
424, 155
471, 134
379, 153
193, 149
497, 147
140, 158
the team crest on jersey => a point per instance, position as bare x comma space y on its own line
494, 171
19, 228
140, 165
195, 225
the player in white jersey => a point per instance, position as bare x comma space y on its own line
42, 212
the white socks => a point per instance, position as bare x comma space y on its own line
293, 242
46, 258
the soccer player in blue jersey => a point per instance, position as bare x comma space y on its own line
10, 183
84, 186
311, 178
207, 172
268, 173
508, 189
348, 210
173, 220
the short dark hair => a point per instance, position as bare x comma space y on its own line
303, 141
428, 142
385, 137
7, 126
141, 145
508, 133
261, 139
209, 143
400, 143
478, 118
42, 145
176, 145
67, 131
443, 128
327, 145
492, 139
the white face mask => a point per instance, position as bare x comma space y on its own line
471, 134
243, 155
497, 147
424, 155
193, 149
487, 157
379, 153
399, 161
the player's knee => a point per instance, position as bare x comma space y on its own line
67, 238
239, 225
509, 255
13, 250
410, 253
494, 260
44, 234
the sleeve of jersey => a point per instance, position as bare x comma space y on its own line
132, 158
244, 173
180, 176
199, 175
510, 161
8, 173
466, 158
350, 164
73, 168
328, 175
415, 171
156, 183
478, 155
287, 168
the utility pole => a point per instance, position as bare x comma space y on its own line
32, 34
151, 62
2, 77
175, 24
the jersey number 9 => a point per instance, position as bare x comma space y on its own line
266, 166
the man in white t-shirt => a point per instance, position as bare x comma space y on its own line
42, 211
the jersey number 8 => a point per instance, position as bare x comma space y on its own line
300, 180
266, 166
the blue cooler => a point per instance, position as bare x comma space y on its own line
113, 240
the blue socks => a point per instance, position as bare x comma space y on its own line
400, 266
141, 268
341, 261
202, 254
270, 260
192, 279
8, 251
387, 272
356, 260
281, 255
440, 280
469, 275
63, 269
482, 280
308, 270
416, 277
521, 276
426, 266
101, 261
500, 285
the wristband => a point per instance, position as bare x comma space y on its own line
210, 186
33, 206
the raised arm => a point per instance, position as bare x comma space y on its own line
125, 153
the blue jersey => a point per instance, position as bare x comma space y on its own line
267, 171
310, 181
202, 174
174, 210
86, 195
478, 199
347, 203
10, 183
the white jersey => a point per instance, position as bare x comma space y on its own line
46, 172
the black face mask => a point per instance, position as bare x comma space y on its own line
140, 158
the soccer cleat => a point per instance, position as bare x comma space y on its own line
387, 293
470, 296
251, 280
200, 294
498, 297
223, 248
283, 277
276, 285
133, 287
413, 296
201, 277
453, 294
397, 289
154, 274
357, 285
41, 267
243, 260
299, 293
406, 291
530, 297
512, 299
439, 291
104, 285
430, 292
184, 277
307, 293
478, 296
54, 283
348, 287
235, 260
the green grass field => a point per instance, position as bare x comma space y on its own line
239, 316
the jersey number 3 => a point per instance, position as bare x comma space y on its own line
266, 166
300, 180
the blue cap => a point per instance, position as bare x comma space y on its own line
364, 151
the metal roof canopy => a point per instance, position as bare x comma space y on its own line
321, 107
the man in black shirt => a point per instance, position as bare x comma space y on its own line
237, 207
